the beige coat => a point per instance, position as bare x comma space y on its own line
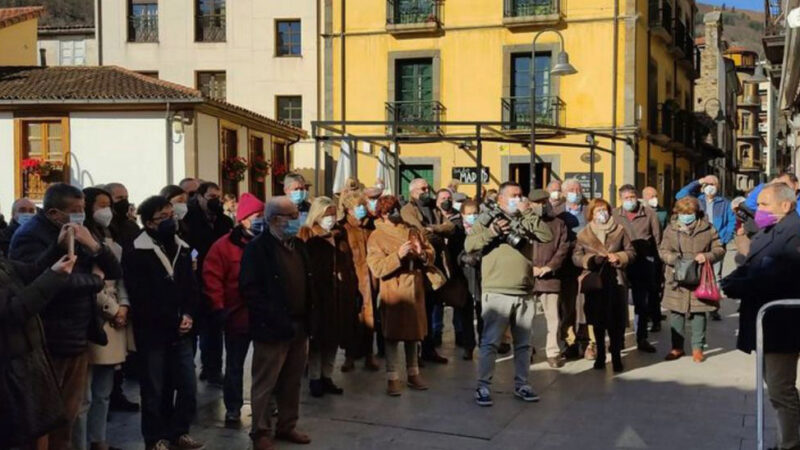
701, 238
357, 238
109, 300
402, 282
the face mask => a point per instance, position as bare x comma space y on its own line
327, 223
447, 205
257, 226
457, 206
372, 204
710, 190
601, 217
653, 202
298, 196
121, 208
214, 205
167, 229
23, 218
360, 212
292, 227
395, 216
573, 197
555, 195
426, 199
686, 219
513, 205
470, 219
765, 219
77, 218
629, 205
103, 217
181, 209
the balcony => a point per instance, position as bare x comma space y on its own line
660, 18
143, 28
524, 13
413, 16
662, 122
681, 40
516, 112
210, 28
749, 160
405, 113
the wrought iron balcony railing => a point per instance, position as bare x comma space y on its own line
210, 28
531, 8
407, 114
680, 37
143, 28
660, 15
413, 12
516, 112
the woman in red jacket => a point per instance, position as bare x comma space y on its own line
221, 279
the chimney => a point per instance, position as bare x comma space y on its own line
43, 57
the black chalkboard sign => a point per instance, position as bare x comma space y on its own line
469, 175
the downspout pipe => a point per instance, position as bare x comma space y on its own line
170, 155
614, 70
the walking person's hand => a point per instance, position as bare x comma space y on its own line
186, 325
64, 265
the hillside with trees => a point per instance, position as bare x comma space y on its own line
741, 27
59, 13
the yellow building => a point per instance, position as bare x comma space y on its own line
18, 35
750, 165
470, 60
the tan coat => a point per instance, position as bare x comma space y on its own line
357, 238
702, 238
109, 300
402, 282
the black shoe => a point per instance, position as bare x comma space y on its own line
715, 316
216, 380
122, 404
459, 340
330, 388
468, 355
233, 421
616, 363
646, 347
435, 357
572, 352
655, 327
203, 376
504, 348
317, 388
599, 364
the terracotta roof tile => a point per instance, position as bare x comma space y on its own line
10, 16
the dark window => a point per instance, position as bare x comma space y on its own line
258, 168
521, 88
230, 149
413, 11
290, 110
212, 84
143, 21
210, 21
287, 39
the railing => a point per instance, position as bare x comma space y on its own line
516, 111
660, 15
143, 28
406, 12
210, 28
405, 113
530, 8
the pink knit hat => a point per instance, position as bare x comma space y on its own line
249, 204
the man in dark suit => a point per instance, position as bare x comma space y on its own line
770, 273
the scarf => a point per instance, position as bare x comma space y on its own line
601, 230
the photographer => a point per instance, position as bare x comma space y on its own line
507, 285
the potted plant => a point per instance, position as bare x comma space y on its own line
234, 168
51, 170
260, 168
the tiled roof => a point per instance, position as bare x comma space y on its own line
10, 16
105, 85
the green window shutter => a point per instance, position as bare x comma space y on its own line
411, 172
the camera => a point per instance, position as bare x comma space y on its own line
516, 232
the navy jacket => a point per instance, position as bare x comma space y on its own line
769, 273
263, 288
724, 218
6, 234
70, 320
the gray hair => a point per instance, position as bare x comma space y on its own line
278, 205
293, 178
416, 182
554, 183
783, 193
111, 186
571, 182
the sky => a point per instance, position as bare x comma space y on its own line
756, 5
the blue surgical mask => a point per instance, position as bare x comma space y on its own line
292, 227
629, 205
470, 219
360, 212
373, 203
298, 196
686, 219
513, 205
77, 218
257, 226
23, 218
573, 197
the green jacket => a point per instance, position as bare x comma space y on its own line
505, 269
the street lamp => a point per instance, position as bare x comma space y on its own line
562, 67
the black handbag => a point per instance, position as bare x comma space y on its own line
592, 280
686, 271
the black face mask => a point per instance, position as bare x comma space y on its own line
447, 205
121, 209
215, 205
426, 199
166, 230
395, 216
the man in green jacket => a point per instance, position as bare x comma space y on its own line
507, 286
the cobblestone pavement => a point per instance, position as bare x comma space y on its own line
654, 404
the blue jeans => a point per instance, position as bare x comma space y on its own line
236, 347
167, 412
90, 425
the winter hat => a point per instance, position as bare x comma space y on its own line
249, 204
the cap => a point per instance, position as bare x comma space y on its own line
538, 195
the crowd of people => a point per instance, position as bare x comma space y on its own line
90, 286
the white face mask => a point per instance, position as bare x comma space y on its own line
181, 209
710, 190
457, 206
653, 202
103, 217
601, 217
555, 195
327, 223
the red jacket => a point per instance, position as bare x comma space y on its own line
221, 280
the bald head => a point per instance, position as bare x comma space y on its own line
22, 206
649, 192
280, 206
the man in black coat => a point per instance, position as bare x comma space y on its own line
70, 320
770, 273
123, 228
163, 295
21, 211
206, 223
275, 283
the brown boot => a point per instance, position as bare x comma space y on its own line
394, 388
263, 443
415, 382
697, 356
348, 365
371, 364
674, 354
293, 436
